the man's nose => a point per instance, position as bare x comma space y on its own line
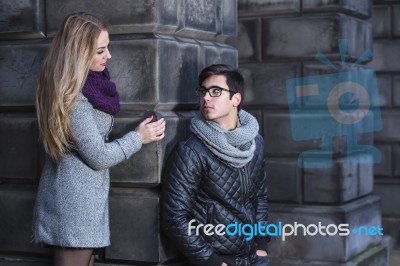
206, 96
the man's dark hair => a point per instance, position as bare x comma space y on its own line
234, 79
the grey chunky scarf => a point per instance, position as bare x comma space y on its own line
235, 147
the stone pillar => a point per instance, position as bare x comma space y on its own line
158, 48
386, 46
278, 41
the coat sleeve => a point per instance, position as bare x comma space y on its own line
262, 210
90, 144
181, 182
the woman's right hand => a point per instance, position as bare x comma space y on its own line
150, 132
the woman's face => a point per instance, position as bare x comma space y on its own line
102, 54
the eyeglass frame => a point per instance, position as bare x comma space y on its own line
205, 90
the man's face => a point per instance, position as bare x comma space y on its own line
222, 109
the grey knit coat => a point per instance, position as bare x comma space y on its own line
71, 207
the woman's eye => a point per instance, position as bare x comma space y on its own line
100, 52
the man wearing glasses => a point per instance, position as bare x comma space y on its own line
214, 199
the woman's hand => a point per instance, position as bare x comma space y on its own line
150, 132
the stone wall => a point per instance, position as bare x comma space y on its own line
278, 41
386, 46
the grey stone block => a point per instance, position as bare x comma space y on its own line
267, 7
16, 213
384, 168
266, 83
19, 72
144, 168
278, 135
396, 20
331, 250
214, 53
333, 185
341, 183
386, 55
248, 40
392, 228
228, 20
206, 19
135, 228
133, 69
396, 158
284, 37
385, 90
6, 260
22, 19
122, 16
284, 140
376, 255
283, 180
200, 16
366, 179
396, 90
387, 189
381, 21
316, 68
352, 7
18, 146
178, 68
391, 127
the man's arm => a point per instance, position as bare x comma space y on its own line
181, 182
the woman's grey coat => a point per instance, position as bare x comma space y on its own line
72, 203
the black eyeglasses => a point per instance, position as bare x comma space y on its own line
214, 91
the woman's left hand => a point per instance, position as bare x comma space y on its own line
151, 131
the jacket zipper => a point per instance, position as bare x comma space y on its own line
210, 211
244, 182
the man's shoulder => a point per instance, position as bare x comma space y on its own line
259, 139
188, 150
191, 142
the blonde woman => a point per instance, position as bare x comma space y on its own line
75, 102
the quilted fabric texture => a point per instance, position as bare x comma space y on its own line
200, 186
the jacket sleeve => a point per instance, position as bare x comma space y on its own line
90, 144
262, 210
181, 182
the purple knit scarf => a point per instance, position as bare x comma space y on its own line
101, 92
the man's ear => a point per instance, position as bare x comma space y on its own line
236, 99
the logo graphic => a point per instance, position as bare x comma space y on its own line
280, 229
340, 104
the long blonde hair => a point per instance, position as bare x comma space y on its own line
61, 78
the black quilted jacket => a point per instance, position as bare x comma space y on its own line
200, 186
